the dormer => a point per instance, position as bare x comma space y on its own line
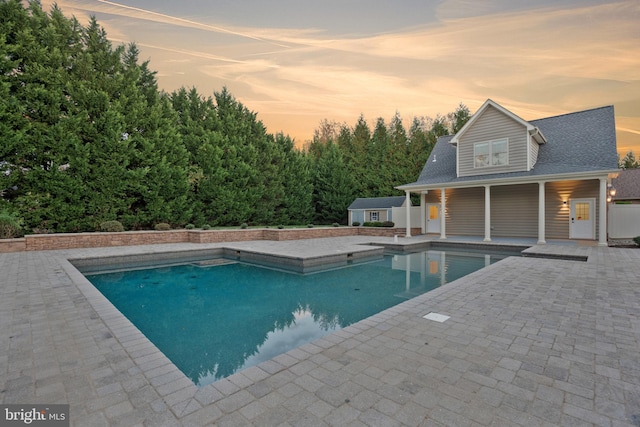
494, 141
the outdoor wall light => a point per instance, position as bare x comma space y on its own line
612, 191
564, 202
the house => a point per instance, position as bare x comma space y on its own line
627, 187
374, 208
502, 176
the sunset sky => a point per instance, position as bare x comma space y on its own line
297, 62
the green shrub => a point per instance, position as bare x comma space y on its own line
387, 224
189, 226
10, 225
335, 224
637, 240
372, 224
206, 227
244, 225
162, 226
355, 224
280, 227
111, 226
309, 225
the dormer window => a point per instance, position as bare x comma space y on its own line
491, 153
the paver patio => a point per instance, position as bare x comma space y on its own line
530, 341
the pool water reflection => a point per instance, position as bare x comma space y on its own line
213, 321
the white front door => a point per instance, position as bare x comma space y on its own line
583, 219
433, 217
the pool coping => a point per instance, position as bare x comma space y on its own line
215, 402
172, 384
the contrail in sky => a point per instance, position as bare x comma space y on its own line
184, 52
187, 21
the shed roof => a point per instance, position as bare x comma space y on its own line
377, 202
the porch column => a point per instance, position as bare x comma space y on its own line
443, 231
541, 214
602, 215
423, 212
408, 210
487, 213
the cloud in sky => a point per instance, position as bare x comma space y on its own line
295, 66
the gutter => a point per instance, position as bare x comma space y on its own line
509, 181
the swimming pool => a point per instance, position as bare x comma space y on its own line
214, 318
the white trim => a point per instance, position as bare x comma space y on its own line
529, 151
498, 107
490, 144
541, 214
602, 213
579, 176
408, 209
457, 162
423, 204
443, 222
487, 213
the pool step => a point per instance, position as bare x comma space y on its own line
213, 262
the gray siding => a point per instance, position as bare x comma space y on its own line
533, 149
433, 196
490, 126
557, 213
465, 211
382, 214
363, 215
514, 210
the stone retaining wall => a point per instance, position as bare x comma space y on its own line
41, 242
12, 245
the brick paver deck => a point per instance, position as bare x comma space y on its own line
530, 342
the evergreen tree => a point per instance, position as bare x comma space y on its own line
439, 127
629, 161
96, 142
421, 143
199, 127
459, 118
297, 185
401, 171
332, 187
38, 124
357, 158
242, 136
376, 180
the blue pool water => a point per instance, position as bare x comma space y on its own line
212, 321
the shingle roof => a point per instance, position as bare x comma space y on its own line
584, 141
377, 202
627, 185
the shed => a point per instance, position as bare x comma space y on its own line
365, 209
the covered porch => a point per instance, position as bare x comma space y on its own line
539, 211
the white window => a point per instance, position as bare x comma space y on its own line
373, 216
491, 153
